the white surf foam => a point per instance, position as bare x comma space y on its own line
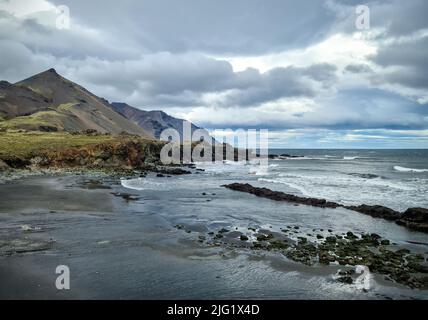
404, 169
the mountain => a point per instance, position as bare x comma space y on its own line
153, 122
49, 102
19, 101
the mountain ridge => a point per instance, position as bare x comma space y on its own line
54, 103
49, 102
154, 121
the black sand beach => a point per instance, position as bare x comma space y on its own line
152, 244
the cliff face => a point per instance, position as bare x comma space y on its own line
131, 154
63, 150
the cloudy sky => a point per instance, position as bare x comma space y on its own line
301, 69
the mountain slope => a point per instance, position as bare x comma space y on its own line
18, 101
153, 122
60, 105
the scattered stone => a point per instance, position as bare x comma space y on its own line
350, 236
264, 237
400, 266
172, 171
347, 280
126, 196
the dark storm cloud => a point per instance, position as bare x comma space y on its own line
242, 27
175, 55
358, 68
409, 53
409, 61
181, 80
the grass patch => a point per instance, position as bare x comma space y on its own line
65, 106
27, 144
34, 121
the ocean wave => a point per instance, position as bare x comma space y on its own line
404, 169
140, 184
350, 158
302, 158
289, 184
365, 175
135, 184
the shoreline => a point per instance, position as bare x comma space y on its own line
186, 245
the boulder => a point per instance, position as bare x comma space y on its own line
415, 219
376, 211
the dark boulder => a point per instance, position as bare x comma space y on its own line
415, 215
415, 219
376, 211
172, 171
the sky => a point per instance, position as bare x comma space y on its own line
304, 70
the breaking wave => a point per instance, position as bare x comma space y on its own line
404, 169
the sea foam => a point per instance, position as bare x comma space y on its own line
404, 169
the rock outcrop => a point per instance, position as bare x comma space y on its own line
413, 218
128, 154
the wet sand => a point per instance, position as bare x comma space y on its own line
117, 248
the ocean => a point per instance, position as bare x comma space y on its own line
155, 237
394, 178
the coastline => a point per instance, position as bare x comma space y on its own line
94, 221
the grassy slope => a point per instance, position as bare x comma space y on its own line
26, 144
52, 118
